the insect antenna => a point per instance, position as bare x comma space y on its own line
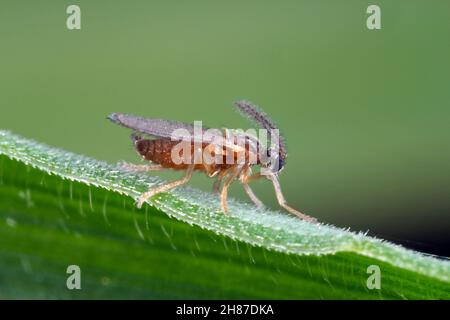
260, 118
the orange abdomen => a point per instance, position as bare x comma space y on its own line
159, 151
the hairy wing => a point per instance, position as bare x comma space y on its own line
155, 127
176, 130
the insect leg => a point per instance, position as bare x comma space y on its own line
139, 167
216, 185
165, 187
251, 178
245, 179
252, 196
224, 193
222, 174
283, 203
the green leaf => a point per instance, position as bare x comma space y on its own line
59, 209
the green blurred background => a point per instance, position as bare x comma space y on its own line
365, 113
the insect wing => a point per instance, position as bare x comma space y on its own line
160, 128
176, 131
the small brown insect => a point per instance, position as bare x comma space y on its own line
230, 158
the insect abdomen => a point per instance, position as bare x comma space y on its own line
159, 151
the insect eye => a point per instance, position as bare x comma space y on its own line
281, 163
277, 163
